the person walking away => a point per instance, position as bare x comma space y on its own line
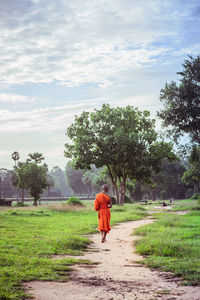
102, 204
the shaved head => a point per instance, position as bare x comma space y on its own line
105, 188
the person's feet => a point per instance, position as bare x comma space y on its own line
103, 239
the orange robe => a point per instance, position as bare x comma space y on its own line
101, 205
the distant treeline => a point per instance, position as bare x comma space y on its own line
167, 183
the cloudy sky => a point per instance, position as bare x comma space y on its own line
58, 58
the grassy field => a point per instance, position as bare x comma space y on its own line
181, 205
173, 242
29, 237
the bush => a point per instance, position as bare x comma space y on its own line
195, 197
20, 204
74, 201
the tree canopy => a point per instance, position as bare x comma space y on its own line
32, 175
192, 175
123, 139
181, 113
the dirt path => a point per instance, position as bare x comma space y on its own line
116, 276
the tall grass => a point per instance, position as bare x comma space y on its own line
30, 236
173, 244
188, 204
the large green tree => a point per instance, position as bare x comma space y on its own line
181, 112
32, 176
36, 179
123, 139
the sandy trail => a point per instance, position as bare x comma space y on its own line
117, 274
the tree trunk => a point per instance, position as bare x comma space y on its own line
35, 202
114, 184
116, 191
122, 185
23, 195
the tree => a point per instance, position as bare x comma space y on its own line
19, 177
123, 139
181, 113
135, 190
15, 157
35, 157
31, 176
192, 175
36, 179
3, 171
100, 178
60, 183
167, 183
75, 179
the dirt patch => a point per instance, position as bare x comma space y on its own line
117, 274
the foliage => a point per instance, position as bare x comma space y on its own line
75, 179
95, 178
182, 102
60, 183
31, 176
135, 190
15, 157
20, 204
101, 178
29, 237
35, 157
189, 193
195, 196
74, 201
123, 139
168, 181
192, 175
173, 244
19, 177
36, 180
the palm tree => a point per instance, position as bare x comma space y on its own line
15, 157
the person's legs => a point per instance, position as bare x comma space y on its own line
103, 236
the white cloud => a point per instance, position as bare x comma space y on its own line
15, 99
43, 119
78, 42
191, 50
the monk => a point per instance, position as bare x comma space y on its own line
102, 204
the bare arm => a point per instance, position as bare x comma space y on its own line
110, 203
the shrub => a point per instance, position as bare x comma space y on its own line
195, 197
74, 201
20, 204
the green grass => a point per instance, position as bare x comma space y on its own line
29, 237
180, 205
173, 244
